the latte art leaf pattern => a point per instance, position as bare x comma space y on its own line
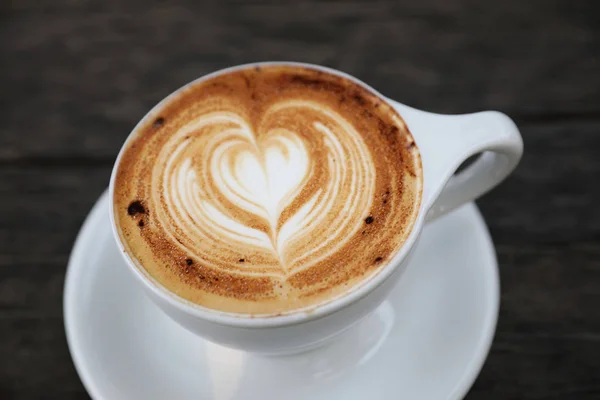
226, 185
268, 190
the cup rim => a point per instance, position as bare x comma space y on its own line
293, 317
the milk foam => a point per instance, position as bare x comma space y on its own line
261, 175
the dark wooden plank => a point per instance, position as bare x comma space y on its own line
36, 362
552, 197
547, 344
551, 290
539, 367
78, 76
42, 210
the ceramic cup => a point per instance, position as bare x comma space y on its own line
444, 142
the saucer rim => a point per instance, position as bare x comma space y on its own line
463, 385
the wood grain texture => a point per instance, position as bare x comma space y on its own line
42, 210
77, 75
90, 72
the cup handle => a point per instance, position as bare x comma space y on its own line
446, 141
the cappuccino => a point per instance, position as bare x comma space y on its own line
267, 190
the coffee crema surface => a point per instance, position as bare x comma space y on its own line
267, 190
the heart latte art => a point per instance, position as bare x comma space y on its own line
261, 194
267, 190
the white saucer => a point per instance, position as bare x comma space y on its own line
427, 341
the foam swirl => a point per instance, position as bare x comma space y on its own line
228, 189
266, 191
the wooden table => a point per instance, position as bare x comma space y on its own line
77, 75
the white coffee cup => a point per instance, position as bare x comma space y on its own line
444, 142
